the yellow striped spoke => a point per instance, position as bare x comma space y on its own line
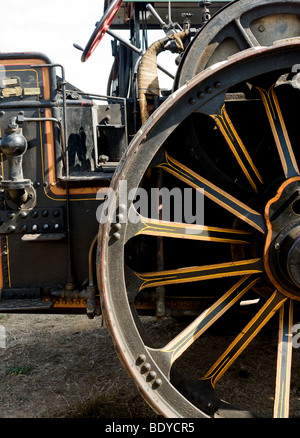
280, 133
174, 349
244, 338
238, 149
213, 192
188, 275
154, 227
284, 361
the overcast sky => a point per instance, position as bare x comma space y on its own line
51, 27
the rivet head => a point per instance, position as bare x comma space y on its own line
122, 208
151, 376
217, 84
145, 368
117, 236
192, 101
200, 95
209, 90
117, 227
157, 384
120, 217
141, 359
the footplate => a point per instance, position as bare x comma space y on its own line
23, 300
25, 305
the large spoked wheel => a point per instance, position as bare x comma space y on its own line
232, 359
100, 29
236, 27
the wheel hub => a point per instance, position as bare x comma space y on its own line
283, 240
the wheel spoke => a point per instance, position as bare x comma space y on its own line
154, 227
174, 349
244, 338
284, 361
213, 192
188, 275
238, 149
246, 33
279, 131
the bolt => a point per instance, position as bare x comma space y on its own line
157, 384
116, 236
141, 359
122, 207
120, 217
151, 376
145, 368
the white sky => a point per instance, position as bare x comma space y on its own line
51, 27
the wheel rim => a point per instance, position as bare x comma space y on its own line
101, 28
236, 27
249, 268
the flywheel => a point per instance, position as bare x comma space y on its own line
237, 264
238, 26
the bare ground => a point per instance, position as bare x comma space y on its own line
58, 366
65, 366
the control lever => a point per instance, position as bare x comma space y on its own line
168, 28
152, 11
78, 47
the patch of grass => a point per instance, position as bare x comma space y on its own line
19, 370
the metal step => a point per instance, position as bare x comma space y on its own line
47, 237
24, 305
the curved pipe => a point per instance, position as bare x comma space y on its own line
148, 84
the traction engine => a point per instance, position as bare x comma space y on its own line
174, 213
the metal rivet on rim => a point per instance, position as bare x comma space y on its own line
117, 236
157, 384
